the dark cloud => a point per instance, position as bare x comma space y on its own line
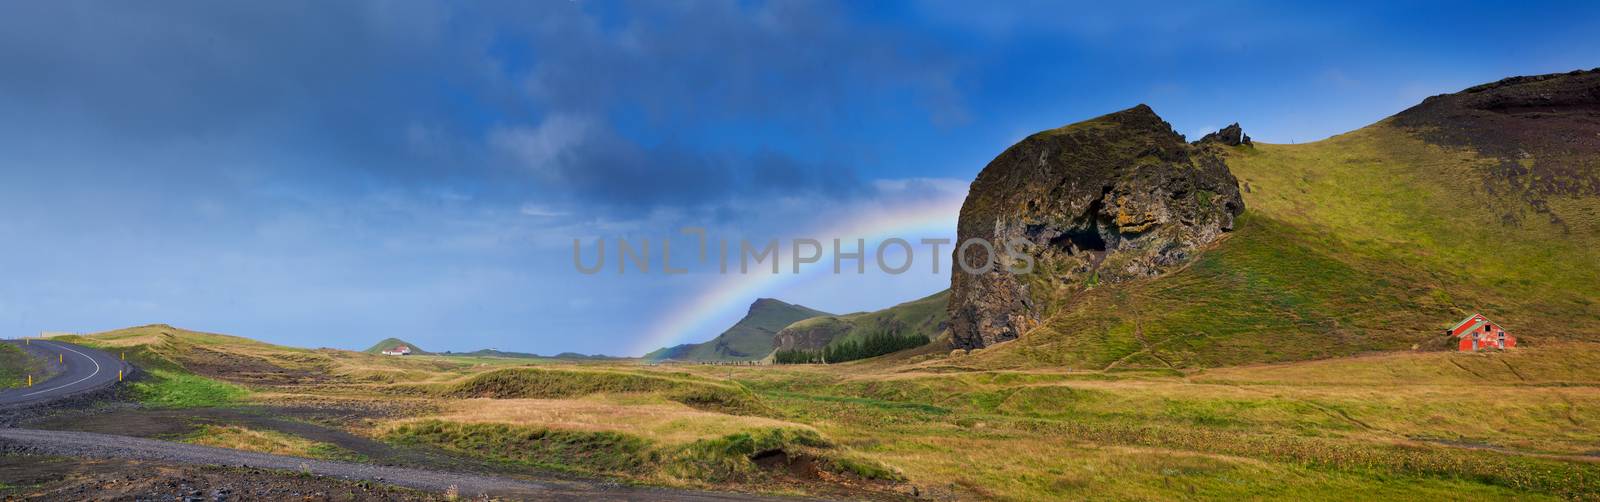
598, 168
376, 94
689, 61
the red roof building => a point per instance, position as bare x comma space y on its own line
1478, 333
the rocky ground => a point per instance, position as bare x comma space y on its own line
36, 477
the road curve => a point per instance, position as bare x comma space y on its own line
83, 370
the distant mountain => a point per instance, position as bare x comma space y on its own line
749, 339
927, 317
389, 343
501, 353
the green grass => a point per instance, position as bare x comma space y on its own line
608, 453
15, 366
172, 389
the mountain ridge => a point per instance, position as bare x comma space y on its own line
749, 339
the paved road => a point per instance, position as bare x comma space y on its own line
82, 370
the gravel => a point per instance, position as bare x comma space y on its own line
92, 445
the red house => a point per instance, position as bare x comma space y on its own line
1478, 332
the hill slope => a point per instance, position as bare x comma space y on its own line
926, 316
749, 339
1372, 240
389, 343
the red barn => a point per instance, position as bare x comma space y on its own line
1478, 332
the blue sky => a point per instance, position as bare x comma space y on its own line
333, 173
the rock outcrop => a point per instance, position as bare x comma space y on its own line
1232, 135
1103, 201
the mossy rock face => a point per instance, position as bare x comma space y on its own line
1104, 201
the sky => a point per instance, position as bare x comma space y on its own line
328, 174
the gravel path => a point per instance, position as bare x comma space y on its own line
92, 445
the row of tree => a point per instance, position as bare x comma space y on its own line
872, 345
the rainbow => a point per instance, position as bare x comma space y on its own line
732, 293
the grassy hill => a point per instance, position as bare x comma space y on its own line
749, 339
178, 356
1372, 240
925, 316
389, 343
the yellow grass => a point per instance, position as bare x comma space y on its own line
264, 441
652, 417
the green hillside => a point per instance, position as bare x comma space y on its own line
1372, 240
926, 317
749, 339
388, 343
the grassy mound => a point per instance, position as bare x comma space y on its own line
173, 389
736, 458
268, 441
514, 383
587, 452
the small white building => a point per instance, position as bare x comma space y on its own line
398, 350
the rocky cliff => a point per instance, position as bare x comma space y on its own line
1103, 201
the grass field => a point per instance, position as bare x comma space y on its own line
1395, 425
